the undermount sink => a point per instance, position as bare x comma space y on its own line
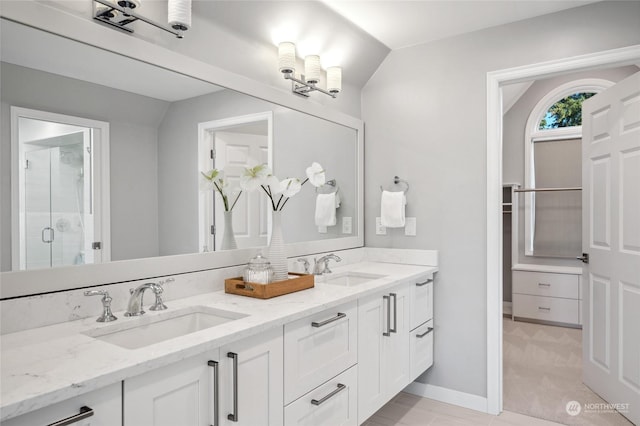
148, 330
350, 279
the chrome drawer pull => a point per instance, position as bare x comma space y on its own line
234, 416
323, 399
420, 336
540, 308
430, 280
214, 365
395, 313
85, 412
330, 320
544, 285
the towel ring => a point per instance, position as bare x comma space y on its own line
332, 183
396, 181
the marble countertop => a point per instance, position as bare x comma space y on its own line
42, 366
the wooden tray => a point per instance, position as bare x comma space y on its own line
267, 291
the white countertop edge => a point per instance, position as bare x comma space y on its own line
104, 364
530, 267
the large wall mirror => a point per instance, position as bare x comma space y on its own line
122, 143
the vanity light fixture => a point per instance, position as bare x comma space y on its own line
120, 13
308, 81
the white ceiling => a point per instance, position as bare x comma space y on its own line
400, 23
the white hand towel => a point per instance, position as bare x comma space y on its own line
326, 205
392, 209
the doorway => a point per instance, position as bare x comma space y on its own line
496, 79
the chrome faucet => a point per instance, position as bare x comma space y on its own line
107, 315
135, 302
322, 265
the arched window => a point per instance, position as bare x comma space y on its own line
553, 141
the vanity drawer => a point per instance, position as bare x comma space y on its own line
546, 284
333, 404
319, 347
421, 349
421, 305
546, 308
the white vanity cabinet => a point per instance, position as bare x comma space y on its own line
183, 393
102, 407
421, 335
383, 348
251, 380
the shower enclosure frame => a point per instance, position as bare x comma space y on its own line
99, 181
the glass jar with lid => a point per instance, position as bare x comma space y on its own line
258, 270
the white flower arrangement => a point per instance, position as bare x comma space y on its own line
262, 176
214, 180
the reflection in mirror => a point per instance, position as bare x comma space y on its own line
153, 162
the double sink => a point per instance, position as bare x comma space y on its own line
149, 330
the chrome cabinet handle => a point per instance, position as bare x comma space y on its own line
429, 330
395, 313
234, 416
324, 398
214, 365
540, 308
430, 280
330, 320
85, 412
388, 299
544, 285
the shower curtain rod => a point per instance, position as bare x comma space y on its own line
547, 189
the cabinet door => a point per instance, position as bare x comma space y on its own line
421, 301
372, 323
333, 403
105, 403
179, 394
251, 381
318, 348
396, 349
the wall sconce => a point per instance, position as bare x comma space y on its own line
120, 13
311, 77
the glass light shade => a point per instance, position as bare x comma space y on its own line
131, 4
287, 57
179, 14
334, 79
312, 68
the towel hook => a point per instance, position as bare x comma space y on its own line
396, 181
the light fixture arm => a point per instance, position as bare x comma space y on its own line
126, 11
303, 88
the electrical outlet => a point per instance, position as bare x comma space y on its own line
347, 225
380, 230
410, 226
322, 229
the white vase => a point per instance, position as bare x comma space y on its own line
276, 254
229, 237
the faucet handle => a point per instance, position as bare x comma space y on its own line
305, 262
107, 315
159, 304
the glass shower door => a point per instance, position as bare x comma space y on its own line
37, 209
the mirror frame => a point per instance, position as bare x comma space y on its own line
85, 30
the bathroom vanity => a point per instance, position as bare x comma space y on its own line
333, 354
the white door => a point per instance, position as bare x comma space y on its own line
396, 349
233, 153
611, 237
251, 381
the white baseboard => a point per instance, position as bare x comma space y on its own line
449, 396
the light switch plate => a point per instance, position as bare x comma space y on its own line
322, 229
347, 225
380, 230
410, 226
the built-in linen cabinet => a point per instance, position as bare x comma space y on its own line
239, 384
383, 345
102, 407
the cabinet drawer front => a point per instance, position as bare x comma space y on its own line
421, 301
106, 404
546, 308
332, 404
421, 347
546, 284
318, 347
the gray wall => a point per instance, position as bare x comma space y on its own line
514, 124
425, 112
133, 122
299, 139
